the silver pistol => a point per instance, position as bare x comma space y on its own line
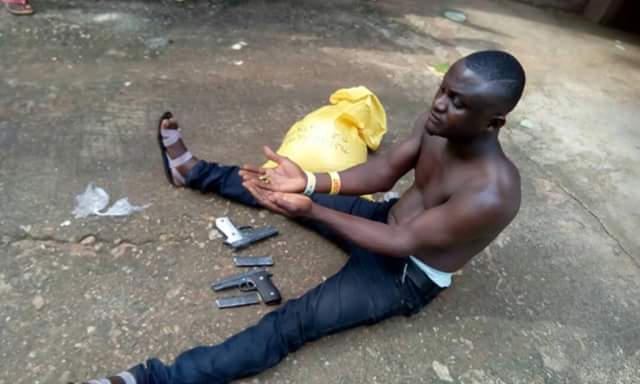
243, 237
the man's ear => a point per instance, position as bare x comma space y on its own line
497, 122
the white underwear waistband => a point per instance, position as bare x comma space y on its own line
442, 279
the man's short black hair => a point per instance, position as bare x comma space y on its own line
501, 69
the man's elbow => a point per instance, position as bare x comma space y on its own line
405, 245
411, 244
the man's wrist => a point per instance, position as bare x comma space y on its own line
312, 212
323, 182
310, 186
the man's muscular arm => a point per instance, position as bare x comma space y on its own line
465, 217
378, 174
381, 172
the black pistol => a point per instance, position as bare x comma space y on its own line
239, 238
257, 279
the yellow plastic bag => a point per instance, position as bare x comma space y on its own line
336, 137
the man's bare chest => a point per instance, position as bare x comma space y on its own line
432, 182
438, 176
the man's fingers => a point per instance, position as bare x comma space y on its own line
266, 197
256, 192
282, 203
268, 152
261, 181
249, 171
247, 175
253, 168
274, 198
263, 197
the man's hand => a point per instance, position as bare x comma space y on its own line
284, 203
287, 176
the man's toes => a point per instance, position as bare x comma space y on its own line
172, 123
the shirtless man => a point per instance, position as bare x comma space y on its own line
401, 252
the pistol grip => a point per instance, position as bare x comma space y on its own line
269, 293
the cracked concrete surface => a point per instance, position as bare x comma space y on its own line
555, 299
593, 214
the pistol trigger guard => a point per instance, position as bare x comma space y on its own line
247, 286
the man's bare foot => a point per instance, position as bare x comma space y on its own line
177, 159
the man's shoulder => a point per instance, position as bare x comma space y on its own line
500, 190
418, 126
493, 192
508, 177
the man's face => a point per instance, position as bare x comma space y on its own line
461, 108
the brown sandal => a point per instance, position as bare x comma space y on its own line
18, 7
167, 137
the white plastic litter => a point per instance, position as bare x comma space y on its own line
94, 199
239, 45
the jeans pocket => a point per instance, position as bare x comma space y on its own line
412, 301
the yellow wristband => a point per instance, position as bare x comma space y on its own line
335, 183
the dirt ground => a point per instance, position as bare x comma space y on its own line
555, 299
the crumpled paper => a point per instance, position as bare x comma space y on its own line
94, 199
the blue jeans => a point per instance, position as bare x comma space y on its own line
369, 288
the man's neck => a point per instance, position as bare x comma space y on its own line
482, 145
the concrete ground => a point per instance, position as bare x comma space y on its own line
556, 299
